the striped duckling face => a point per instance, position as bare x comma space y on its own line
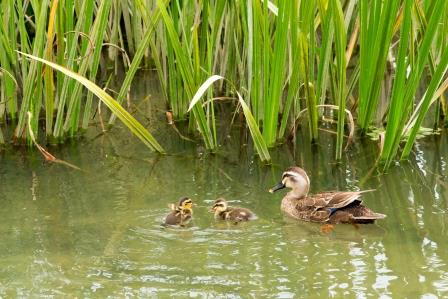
219, 206
186, 204
296, 179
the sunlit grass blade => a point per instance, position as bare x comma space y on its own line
202, 89
112, 104
48, 72
188, 74
377, 19
260, 144
294, 80
340, 45
89, 64
403, 94
70, 62
277, 73
437, 78
396, 104
143, 46
32, 95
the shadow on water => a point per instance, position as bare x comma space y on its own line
97, 232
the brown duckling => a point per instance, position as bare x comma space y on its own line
329, 207
223, 211
181, 214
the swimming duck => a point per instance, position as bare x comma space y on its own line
181, 214
223, 211
327, 207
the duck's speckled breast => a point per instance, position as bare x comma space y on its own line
288, 207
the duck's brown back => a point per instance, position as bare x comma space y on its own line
239, 214
173, 218
330, 207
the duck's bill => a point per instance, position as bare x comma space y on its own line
277, 187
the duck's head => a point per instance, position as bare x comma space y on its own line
296, 179
219, 206
186, 204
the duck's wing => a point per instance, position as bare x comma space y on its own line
240, 214
312, 208
320, 207
185, 216
339, 199
173, 218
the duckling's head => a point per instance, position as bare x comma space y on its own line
296, 179
219, 206
185, 204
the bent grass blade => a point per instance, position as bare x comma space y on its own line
113, 105
260, 144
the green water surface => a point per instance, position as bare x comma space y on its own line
96, 233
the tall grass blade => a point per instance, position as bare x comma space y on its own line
258, 139
377, 19
32, 87
48, 72
143, 46
437, 78
135, 127
202, 89
188, 74
277, 73
402, 102
340, 45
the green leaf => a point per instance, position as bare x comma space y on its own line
113, 105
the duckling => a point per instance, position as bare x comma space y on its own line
329, 207
181, 214
223, 211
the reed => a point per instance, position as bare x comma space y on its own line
411, 65
279, 58
111, 103
376, 34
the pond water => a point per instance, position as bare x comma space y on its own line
97, 232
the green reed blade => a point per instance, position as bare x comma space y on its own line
277, 73
90, 63
70, 62
186, 70
97, 35
294, 82
260, 144
2, 139
133, 125
375, 37
143, 46
398, 89
32, 87
48, 72
202, 89
325, 50
403, 105
340, 45
436, 79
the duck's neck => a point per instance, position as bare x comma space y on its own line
298, 192
220, 214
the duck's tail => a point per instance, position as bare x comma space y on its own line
368, 218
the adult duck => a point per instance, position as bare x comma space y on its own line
330, 207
